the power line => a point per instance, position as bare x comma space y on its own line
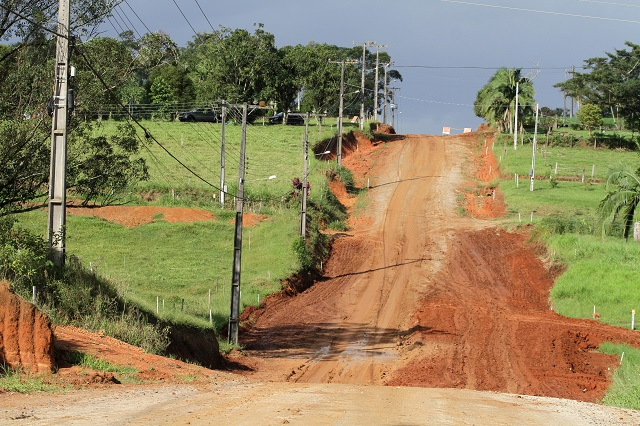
546, 12
133, 27
134, 12
185, 17
205, 16
437, 67
610, 3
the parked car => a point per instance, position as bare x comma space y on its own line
292, 118
199, 114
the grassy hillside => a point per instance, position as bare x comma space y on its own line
182, 271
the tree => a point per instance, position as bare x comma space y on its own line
234, 65
113, 62
623, 183
612, 83
26, 76
162, 95
176, 79
590, 116
495, 101
104, 168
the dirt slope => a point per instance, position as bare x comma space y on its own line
421, 297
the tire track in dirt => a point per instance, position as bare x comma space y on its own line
378, 274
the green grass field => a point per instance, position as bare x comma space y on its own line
274, 150
600, 272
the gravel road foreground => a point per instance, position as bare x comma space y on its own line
248, 403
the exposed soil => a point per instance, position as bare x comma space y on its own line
133, 216
420, 297
413, 295
26, 339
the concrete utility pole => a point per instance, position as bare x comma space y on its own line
341, 110
533, 157
305, 165
339, 150
386, 78
515, 114
375, 85
222, 154
57, 172
573, 73
393, 105
362, 88
237, 244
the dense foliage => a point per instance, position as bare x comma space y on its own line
612, 83
496, 101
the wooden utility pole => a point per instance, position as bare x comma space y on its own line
237, 244
223, 117
305, 166
57, 171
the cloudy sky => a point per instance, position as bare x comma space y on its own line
446, 50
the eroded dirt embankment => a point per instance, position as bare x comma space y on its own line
26, 339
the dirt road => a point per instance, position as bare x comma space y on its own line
347, 329
416, 297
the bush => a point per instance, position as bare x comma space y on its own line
557, 224
24, 258
74, 295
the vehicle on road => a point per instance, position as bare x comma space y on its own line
292, 118
199, 114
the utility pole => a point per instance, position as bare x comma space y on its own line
362, 88
341, 110
384, 109
222, 154
515, 114
375, 85
573, 73
393, 105
305, 164
339, 151
533, 157
57, 171
237, 244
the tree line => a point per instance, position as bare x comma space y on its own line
609, 86
234, 65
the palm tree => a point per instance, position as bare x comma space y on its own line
623, 183
495, 102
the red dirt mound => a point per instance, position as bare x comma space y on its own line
486, 325
487, 202
26, 339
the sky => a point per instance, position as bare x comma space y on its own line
446, 50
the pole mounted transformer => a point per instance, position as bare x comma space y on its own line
60, 112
